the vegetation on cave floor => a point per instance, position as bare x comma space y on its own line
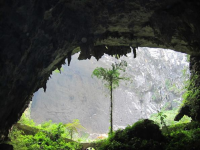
169, 116
143, 135
146, 135
25, 135
159, 133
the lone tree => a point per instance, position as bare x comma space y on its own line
111, 78
73, 127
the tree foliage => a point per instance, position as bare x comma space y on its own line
111, 77
74, 127
48, 136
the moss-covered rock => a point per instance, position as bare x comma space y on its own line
143, 135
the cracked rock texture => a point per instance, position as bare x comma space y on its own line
36, 36
73, 94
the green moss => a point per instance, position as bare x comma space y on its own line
76, 50
58, 71
184, 136
142, 136
191, 97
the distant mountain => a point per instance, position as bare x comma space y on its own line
156, 76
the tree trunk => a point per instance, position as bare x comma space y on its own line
71, 134
111, 109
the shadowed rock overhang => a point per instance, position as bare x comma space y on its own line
36, 36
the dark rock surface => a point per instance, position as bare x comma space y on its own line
6, 147
73, 94
36, 37
191, 107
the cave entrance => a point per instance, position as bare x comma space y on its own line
157, 75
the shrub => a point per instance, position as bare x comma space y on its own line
144, 134
49, 136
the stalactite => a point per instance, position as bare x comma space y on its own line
134, 52
69, 57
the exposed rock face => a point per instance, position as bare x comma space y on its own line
191, 107
36, 37
73, 94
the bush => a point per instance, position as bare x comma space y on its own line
169, 120
49, 136
184, 137
143, 135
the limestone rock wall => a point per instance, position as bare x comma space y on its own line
73, 94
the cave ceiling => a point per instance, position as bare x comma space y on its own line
36, 36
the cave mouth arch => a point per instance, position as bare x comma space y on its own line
37, 36
144, 94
